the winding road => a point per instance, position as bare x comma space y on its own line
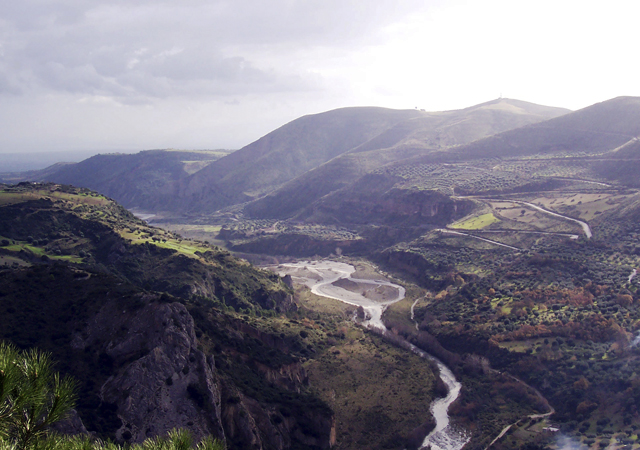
585, 226
444, 230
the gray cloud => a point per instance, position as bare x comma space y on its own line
143, 49
206, 73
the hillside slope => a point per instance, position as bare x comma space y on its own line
135, 180
164, 332
285, 153
596, 143
320, 153
427, 133
597, 128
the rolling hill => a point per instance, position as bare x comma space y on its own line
136, 180
523, 247
425, 134
308, 157
598, 143
163, 332
283, 154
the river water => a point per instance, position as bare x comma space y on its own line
324, 279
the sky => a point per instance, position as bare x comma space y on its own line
127, 75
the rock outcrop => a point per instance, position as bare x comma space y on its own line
163, 381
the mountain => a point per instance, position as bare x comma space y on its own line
425, 134
597, 143
163, 332
597, 128
285, 153
135, 180
308, 158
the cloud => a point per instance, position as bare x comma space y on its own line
203, 73
144, 50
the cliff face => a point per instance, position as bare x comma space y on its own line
142, 371
151, 333
375, 199
163, 380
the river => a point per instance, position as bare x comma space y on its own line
327, 278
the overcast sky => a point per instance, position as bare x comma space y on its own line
144, 74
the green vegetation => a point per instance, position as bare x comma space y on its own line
174, 440
60, 223
475, 223
380, 394
562, 317
33, 397
560, 312
266, 350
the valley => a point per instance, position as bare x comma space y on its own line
501, 239
335, 280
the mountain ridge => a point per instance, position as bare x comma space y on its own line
365, 137
406, 139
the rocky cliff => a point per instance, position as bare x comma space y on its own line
163, 381
160, 332
377, 199
142, 370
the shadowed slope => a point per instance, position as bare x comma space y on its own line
419, 135
285, 153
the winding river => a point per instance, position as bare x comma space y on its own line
329, 279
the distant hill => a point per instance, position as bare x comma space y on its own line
284, 154
596, 143
26, 161
597, 128
135, 180
308, 158
425, 134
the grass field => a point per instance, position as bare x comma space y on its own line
19, 246
585, 206
513, 213
476, 223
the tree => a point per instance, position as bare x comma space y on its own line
32, 395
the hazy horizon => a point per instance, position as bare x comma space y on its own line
130, 76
